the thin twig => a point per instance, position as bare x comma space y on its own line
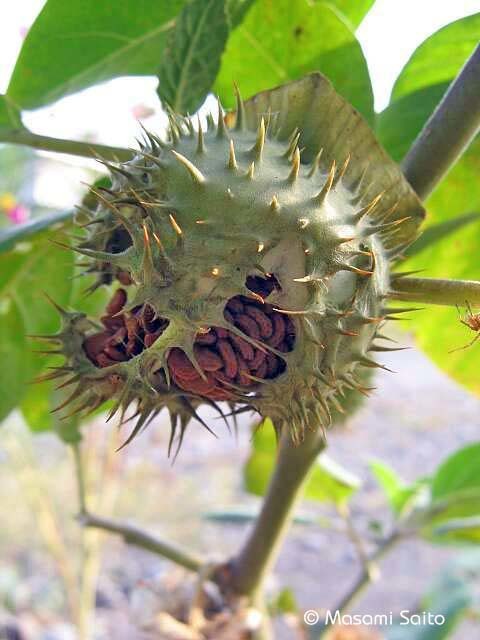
448, 131
358, 543
135, 536
26, 138
436, 291
80, 478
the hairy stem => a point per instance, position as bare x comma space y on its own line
436, 291
135, 536
447, 132
73, 147
260, 551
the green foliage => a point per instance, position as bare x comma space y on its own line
453, 205
451, 596
283, 40
32, 268
423, 81
396, 491
9, 114
327, 482
445, 507
73, 45
192, 56
354, 11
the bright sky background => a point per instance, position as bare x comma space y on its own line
106, 113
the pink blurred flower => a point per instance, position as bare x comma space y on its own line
18, 214
142, 111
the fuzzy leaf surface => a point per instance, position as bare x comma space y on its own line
282, 40
73, 45
191, 58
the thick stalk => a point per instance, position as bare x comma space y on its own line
260, 551
447, 132
135, 536
73, 147
436, 291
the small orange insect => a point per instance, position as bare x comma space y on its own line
472, 321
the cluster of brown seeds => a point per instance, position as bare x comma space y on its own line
125, 335
228, 361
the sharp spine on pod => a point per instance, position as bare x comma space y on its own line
244, 276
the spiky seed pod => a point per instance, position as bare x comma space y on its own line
254, 258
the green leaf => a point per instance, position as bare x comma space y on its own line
427, 76
396, 491
423, 81
32, 268
9, 115
354, 11
454, 512
10, 236
73, 45
281, 40
458, 472
236, 10
327, 482
14, 370
191, 59
285, 602
439, 231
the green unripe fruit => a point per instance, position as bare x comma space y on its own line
256, 255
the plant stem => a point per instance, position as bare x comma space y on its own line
447, 132
80, 477
320, 629
436, 291
135, 536
72, 147
260, 551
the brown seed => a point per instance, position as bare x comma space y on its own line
104, 361
115, 354
228, 356
261, 371
124, 278
180, 365
208, 359
260, 358
263, 321
242, 346
248, 326
278, 330
117, 302
93, 345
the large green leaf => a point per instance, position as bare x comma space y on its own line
458, 472
75, 44
9, 114
423, 81
14, 369
191, 59
282, 40
455, 255
353, 10
32, 268
327, 482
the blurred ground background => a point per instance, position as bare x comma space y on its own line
416, 417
